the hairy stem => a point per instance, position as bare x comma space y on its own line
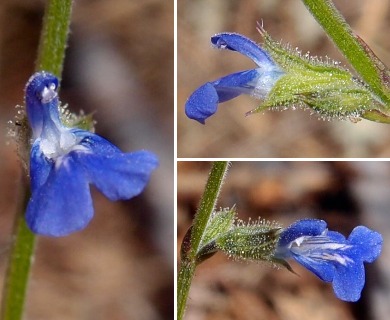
206, 208
54, 35
339, 31
51, 55
20, 261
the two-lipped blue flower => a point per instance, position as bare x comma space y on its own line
329, 255
65, 161
256, 82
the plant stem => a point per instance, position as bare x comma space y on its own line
184, 278
51, 55
54, 35
20, 261
339, 31
206, 208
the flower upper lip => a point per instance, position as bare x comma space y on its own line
237, 42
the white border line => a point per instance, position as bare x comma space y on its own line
175, 110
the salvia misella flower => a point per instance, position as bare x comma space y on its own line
255, 82
329, 255
284, 78
64, 161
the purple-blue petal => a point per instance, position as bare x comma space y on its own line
36, 110
116, 174
348, 281
63, 204
368, 242
203, 102
321, 268
234, 84
239, 43
303, 227
120, 175
40, 167
95, 143
336, 236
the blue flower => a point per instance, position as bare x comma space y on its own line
65, 161
255, 82
329, 255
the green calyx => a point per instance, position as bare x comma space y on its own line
82, 121
254, 241
322, 86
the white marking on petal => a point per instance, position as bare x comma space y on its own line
67, 140
320, 248
60, 141
265, 82
63, 159
48, 94
337, 257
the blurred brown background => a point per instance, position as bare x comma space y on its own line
272, 134
119, 64
345, 194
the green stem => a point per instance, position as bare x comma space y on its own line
51, 55
339, 31
206, 208
184, 279
54, 36
19, 263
